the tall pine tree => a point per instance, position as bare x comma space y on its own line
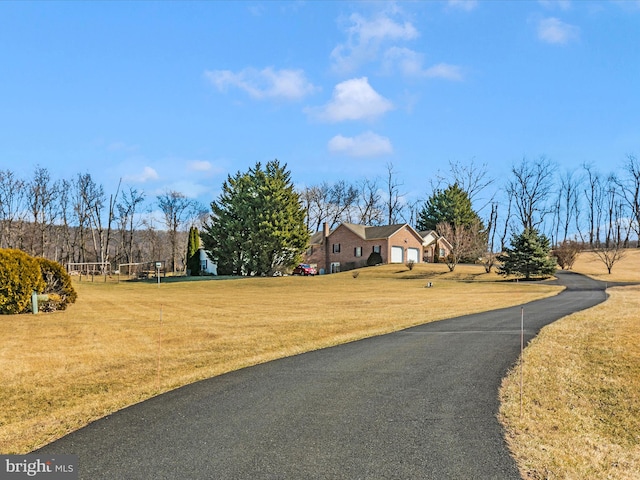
257, 225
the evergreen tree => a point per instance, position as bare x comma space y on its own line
257, 224
529, 256
452, 206
193, 251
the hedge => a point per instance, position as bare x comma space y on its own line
58, 286
20, 275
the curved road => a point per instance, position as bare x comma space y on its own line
417, 404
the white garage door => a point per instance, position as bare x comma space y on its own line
397, 254
413, 255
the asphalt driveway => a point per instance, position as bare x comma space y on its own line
416, 404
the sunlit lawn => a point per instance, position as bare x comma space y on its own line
122, 343
580, 412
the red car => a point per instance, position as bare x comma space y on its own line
304, 269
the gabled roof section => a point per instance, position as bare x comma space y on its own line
373, 233
317, 238
376, 233
434, 237
366, 232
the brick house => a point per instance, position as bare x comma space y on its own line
349, 246
434, 246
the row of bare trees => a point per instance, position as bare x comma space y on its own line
75, 221
370, 201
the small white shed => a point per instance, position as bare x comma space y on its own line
207, 266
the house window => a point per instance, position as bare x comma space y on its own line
357, 251
442, 252
377, 248
336, 248
335, 267
203, 265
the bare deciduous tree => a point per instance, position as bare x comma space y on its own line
530, 189
93, 198
44, 209
630, 188
177, 210
342, 200
368, 206
593, 194
566, 253
466, 242
565, 208
315, 201
85, 194
612, 250
507, 221
393, 199
490, 256
128, 220
12, 208
64, 241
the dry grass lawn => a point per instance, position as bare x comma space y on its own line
123, 343
581, 404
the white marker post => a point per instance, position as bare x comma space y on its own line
521, 357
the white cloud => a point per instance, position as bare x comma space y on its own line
552, 30
264, 84
189, 188
147, 174
367, 144
466, 5
367, 36
445, 71
200, 166
353, 99
410, 63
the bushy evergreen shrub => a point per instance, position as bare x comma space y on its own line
20, 275
528, 257
374, 259
58, 286
193, 252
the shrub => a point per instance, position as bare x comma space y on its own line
410, 264
58, 286
566, 253
374, 259
20, 276
528, 257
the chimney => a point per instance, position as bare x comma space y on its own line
325, 241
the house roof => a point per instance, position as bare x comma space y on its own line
371, 233
317, 238
435, 236
374, 233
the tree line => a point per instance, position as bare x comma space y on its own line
75, 220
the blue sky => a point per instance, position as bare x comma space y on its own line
177, 95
